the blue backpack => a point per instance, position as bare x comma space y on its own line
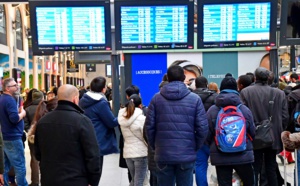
231, 130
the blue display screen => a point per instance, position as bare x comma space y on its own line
70, 25
154, 24
246, 24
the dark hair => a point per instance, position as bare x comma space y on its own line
134, 101
271, 78
132, 89
28, 100
245, 80
262, 74
54, 90
165, 77
175, 73
42, 109
294, 75
228, 75
201, 82
98, 84
251, 75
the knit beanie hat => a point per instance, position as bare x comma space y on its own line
228, 83
36, 95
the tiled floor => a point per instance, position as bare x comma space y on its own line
113, 175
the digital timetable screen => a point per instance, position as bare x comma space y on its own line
153, 26
70, 25
236, 25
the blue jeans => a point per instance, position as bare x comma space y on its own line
182, 174
201, 166
138, 170
14, 157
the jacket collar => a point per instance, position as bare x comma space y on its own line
230, 91
68, 105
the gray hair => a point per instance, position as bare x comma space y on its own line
6, 82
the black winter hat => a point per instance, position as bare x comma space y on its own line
228, 83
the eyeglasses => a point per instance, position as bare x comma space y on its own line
15, 85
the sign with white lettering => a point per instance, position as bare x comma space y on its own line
217, 64
147, 72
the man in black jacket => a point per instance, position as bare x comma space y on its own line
66, 145
208, 99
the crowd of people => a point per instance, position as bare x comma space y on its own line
69, 131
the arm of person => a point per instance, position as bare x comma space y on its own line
243, 99
22, 115
107, 116
201, 124
13, 113
26, 121
1, 159
150, 124
285, 112
36, 144
250, 121
211, 118
90, 150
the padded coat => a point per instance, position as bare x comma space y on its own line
132, 130
216, 156
176, 124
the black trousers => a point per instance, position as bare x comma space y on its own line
101, 166
269, 156
245, 172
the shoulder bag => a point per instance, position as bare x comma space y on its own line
264, 136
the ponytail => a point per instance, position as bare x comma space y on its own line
130, 109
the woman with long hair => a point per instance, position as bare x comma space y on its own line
43, 108
131, 120
28, 99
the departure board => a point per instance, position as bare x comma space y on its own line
236, 25
69, 25
150, 26
154, 24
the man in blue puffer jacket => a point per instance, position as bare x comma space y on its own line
176, 127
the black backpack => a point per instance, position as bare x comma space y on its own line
293, 100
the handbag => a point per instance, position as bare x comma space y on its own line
264, 136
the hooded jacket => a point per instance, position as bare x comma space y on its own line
176, 124
132, 130
226, 98
30, 112
97, 108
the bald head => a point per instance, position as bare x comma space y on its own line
67, 92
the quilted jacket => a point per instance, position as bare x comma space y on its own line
132, 130
176, 124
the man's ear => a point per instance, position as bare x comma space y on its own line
183, 78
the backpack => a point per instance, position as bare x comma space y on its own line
293, 106
231, 130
